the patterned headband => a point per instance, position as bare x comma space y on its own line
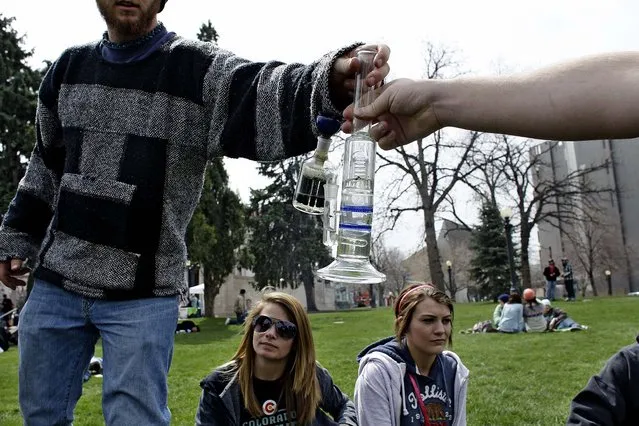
401, 301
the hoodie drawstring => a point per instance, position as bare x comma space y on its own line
404, 409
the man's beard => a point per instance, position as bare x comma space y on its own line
129, 29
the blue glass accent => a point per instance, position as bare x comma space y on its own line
353, 227
327, 126
357, 209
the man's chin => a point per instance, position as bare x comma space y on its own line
129, 28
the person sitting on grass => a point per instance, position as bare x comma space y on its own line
559, 320
410, 378
533, 313
274, 377
512, 316
489, 326
499, 309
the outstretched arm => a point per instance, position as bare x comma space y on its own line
588, 98
266, 111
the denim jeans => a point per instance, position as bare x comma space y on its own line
58, 333
567, 323
550, 289
570, 289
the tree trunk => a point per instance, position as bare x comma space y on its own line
591, 278
211, 291
308, 281
373, 294
591, 268
434, 262
381, 294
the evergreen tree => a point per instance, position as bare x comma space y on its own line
489, 265
207, 33
286, 245
216, 231
18, 100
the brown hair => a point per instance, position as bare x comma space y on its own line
408, 300
514, 298
301, 387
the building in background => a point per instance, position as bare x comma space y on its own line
453, 241
610, 229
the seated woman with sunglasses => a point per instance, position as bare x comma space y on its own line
409, 379
274, 378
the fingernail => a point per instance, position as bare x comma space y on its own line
378, 63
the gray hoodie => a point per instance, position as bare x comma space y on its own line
380, 390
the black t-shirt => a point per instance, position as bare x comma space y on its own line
437, 393
271, 398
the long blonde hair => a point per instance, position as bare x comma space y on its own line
301, 387
408, 300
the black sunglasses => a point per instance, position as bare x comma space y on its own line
285, 329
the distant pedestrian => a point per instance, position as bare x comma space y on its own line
239, 308
551, 272
569, 279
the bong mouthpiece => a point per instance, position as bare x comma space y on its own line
327, 126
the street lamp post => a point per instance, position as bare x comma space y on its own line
609, 281
449, 266
507, 214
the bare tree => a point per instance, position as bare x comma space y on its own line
389, 261
594, 242
539, 195
426, 171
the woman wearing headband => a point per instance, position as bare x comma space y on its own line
409, 379
274, 378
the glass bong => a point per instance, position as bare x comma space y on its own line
349, 227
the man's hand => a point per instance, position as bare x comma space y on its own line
346, 67
402, 110
9, 270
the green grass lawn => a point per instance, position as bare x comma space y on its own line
526, 379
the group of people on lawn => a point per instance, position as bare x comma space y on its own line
515, 313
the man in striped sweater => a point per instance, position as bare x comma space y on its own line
125, 127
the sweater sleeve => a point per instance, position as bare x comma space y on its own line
373, 396
26, 221
497, 315
609, 396
266, 111
208, 411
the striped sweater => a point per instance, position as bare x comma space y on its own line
121, 151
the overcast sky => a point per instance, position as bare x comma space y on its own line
488, 35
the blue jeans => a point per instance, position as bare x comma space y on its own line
58, 333
567, 323
550, 290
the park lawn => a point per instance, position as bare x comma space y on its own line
525, 379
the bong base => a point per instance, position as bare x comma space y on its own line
351, 271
